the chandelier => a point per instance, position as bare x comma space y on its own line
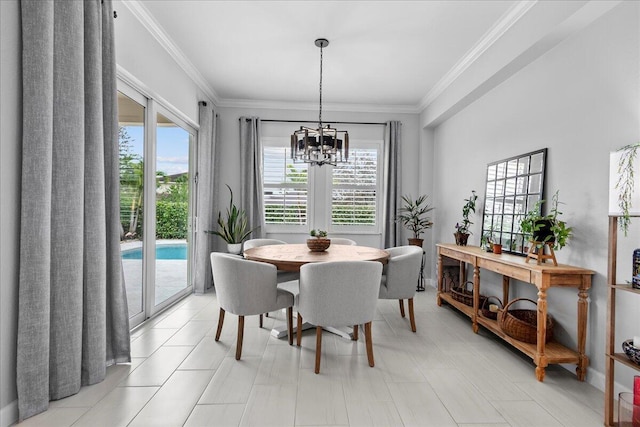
324, 144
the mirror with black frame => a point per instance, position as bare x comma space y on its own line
514, 185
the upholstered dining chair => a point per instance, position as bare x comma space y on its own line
247, 288
287, 280
342, 241
400, 277
338, 294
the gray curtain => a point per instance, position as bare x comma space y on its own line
251, 173
206, 198
72, 309
391, 186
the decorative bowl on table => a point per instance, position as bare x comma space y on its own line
318, 244
633, 353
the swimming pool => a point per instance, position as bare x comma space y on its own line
170, 251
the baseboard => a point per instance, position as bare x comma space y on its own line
9, 414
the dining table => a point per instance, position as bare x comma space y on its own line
290, 257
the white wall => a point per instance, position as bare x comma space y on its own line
10, 167
581, 100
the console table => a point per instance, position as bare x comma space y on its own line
543, 277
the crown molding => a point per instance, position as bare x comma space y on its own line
508, 20
287, 105
157, 32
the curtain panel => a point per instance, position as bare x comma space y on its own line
391, 186
72, 310
251, 182
207, 198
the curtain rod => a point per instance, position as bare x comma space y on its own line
314, 121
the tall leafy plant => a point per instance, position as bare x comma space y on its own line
413, 215
234, 228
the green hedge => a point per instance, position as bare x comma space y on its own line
171, 219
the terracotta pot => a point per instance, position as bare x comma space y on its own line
416, 242
461, 238
318, 244
497, 248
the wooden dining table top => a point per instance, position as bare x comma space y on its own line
291, 257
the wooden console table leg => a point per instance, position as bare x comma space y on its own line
476, 297
505, 290
541, 358
440, 279
583, 309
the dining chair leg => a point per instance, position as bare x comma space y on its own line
220, 322
290, 324
240, 335
412, 317
401, 307
299, 330
367, 337
355, 333
260, 323
318, 347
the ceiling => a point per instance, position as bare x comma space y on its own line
391, 53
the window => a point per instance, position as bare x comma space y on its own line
285, 187
343, 198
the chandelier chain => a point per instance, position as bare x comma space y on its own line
320, 113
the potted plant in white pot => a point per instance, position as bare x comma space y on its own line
233, 229
413, 215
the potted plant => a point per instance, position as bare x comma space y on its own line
542, 229
462, 228
319, 242
234, 228
625, 182
413, 215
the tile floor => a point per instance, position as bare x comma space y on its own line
443, 375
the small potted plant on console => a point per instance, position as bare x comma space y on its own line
462, 228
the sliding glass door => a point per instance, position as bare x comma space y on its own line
156, 158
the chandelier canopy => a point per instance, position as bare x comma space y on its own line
324, 144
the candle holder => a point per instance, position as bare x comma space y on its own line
628, 413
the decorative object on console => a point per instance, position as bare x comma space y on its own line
461, 294
462, 228
490, 311
545, 232
523, 324
320, 145
635, 277
412, 215
234, 228
319, 243
513, 186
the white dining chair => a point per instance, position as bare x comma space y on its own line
400, 277
247, 288
337, 294
287, 280
342, 241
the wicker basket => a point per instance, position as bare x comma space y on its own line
523, 324
484, 308
461, 294
318, 244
